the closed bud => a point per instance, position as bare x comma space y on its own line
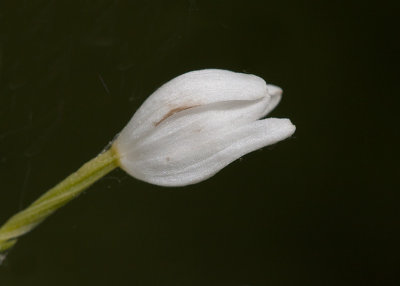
198, 123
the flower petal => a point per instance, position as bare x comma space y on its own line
192, 158
275, 93
194, 89
215, 116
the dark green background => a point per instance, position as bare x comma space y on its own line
318, 209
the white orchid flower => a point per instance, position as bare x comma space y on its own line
185, 132
198, 123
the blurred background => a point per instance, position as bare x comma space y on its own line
317, 209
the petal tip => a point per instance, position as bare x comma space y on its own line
274, 90
289, 126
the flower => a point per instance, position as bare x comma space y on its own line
198, 123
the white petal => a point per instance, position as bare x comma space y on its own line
195, 157
275, 93
215, 116
192, 89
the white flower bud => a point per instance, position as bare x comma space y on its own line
198, 123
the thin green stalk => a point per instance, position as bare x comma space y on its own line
27, 219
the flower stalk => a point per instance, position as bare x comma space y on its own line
27, 219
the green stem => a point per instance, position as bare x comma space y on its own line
24, 221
